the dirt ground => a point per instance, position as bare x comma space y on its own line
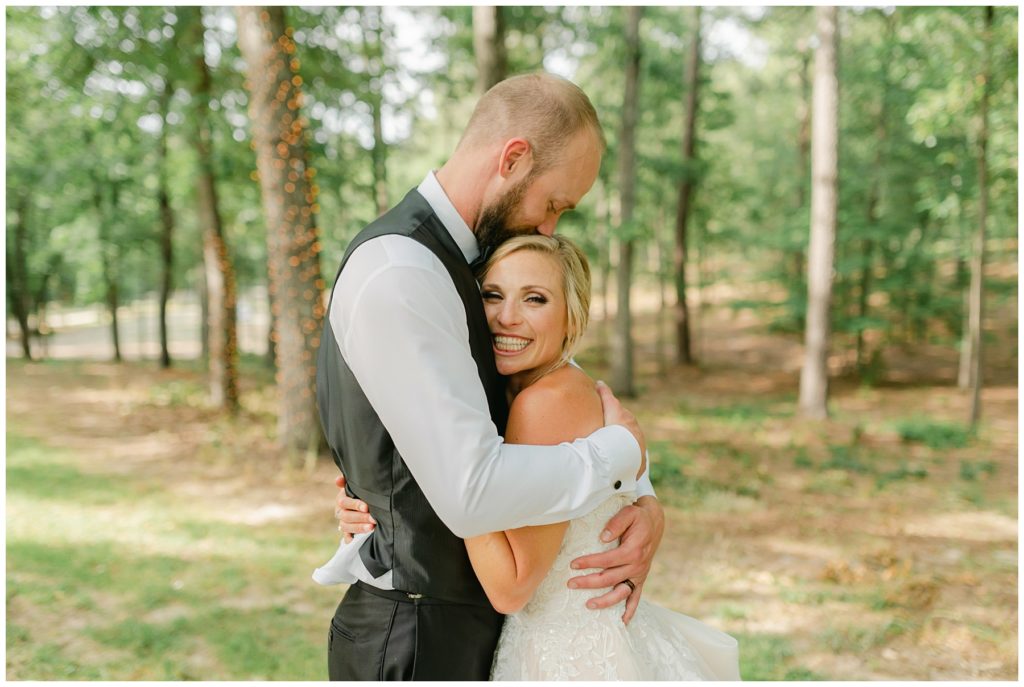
834, 547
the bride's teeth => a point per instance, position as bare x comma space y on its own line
507, 343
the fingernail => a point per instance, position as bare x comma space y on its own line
363, 507
572, 584
372, 520
591, 605
606, 536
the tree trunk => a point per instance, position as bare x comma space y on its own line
204, 316
824, 199
874, 197
622, 362
661, 342
108, 262
220, 276
271, 357
489, 46
17, 277
167, 225
373, 51
289, 204
803, 151
978, 253
683, 353
963, 281
602, 271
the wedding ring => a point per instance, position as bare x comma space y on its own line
629, 583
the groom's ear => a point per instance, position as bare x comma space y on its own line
516, 156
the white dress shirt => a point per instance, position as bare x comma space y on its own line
401, 327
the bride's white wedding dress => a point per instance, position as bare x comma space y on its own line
556, 637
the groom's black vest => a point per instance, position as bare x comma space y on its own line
424, 555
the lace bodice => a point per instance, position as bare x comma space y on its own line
556, 637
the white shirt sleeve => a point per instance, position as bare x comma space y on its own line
402, 330
643, 485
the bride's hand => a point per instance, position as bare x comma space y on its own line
639, 528
353, 515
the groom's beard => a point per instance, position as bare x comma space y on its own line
492, 229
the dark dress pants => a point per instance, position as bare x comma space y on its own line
386, 635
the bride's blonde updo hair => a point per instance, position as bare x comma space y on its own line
575, 284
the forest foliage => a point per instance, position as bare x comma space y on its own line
385, 92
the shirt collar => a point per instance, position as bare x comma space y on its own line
430, 189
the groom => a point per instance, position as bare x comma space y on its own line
413, 407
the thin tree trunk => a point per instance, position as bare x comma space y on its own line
683, 353
622, 362
489, 46
602, 271
289, 204
17, 276
803, 152
167, 225
978, 254
271, 358
108, 261
874, 196
220, 276
661, 341
204, 316
963, 281
824, 199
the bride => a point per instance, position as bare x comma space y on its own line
536, 292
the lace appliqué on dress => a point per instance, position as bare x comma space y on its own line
556, 637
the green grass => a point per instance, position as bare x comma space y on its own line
857, 639
153, 588
739, 412
971, 470
768, 657
934, 434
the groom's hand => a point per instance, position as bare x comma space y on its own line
353, 515
639, 528
615, 414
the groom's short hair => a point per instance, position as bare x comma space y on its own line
546, 110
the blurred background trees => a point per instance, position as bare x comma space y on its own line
125, 163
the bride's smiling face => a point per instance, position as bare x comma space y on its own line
525, 305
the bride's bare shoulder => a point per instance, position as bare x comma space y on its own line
560, 406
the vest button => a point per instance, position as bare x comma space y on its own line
618, 484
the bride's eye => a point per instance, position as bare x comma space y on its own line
491, 296
535, 298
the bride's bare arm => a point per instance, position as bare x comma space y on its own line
511, 564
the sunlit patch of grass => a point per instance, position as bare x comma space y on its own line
49, 663
149, 580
